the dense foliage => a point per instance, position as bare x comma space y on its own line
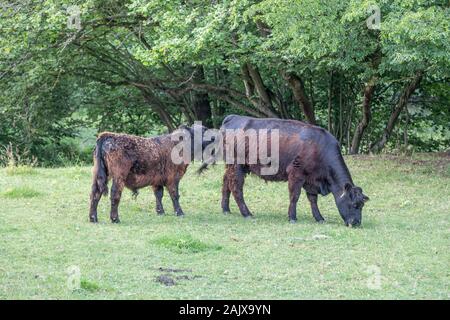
148, 66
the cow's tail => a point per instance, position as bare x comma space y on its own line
100, 171
203, 168
206, 164
212, 160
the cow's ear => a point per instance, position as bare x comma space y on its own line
346, 191
348, 187
365, 198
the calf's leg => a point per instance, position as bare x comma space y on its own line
174, 194
116, 193
295, 186
237, 178
226, 194
159, 192
314, 208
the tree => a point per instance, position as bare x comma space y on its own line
165, 63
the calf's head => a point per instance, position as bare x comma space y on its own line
350, 203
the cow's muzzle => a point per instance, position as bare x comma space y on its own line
353, 223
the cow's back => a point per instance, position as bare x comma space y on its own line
300, 144
286, 127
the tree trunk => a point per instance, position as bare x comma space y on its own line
157, 106
260, 87
254, 86
366, 116
330, 101
405, 129
349, 127
200, 101
408, 90
341, 111
311, 92
300, 97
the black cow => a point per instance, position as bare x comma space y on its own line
309, 158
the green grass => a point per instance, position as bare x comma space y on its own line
404, 241
89, 285
185, 244
20, 192
20, 170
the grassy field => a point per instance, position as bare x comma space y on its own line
49, 250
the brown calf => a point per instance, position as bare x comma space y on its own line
134, 162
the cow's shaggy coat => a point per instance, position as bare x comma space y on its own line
134, 162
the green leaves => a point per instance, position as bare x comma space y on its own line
154, 46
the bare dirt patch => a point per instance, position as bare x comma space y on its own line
168, 279
173, 270
165, 280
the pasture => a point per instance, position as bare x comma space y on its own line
400, 252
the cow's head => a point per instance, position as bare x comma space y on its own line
350, 203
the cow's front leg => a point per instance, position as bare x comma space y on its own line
173, 191
314, 208
237, 178
159, 192
295, 185
226, 193
116, 194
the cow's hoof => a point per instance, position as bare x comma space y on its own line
226, 212
160, 213
115, 220
181, 215
322, 221
248, 217
292, 221
93, 219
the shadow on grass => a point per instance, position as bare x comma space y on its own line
137, 216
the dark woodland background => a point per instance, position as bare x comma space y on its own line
145, 67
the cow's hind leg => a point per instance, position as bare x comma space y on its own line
174, 194
159, 192
237, 178
226, 193
314, 208
116, 194
95, 198
295, 186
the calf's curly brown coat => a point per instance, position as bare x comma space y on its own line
134, 162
